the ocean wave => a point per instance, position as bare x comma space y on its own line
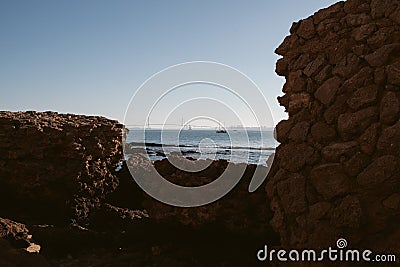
150, 144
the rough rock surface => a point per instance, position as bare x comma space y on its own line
58, 178
55, 167
16, 246
336, 172
239, 212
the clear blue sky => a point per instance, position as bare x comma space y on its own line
88, 57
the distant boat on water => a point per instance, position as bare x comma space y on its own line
220, 130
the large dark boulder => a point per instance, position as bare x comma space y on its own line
56, 167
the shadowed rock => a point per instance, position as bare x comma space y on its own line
56, 167
336, 170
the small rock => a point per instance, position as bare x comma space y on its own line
357, 19
378, 171
295, 82
292, 194
282, 130
322, 132
330, 180
393, 73
299, 132
327, 13
355, 123
369, 138
281, 67
380, 7
33, 248
334, 152
348, 66
315, 66
390, 108
298, 101
363, 97
319, 210
293, 157
306, 29
334, 110
356, 164
356, 6
362, 78
392, 202
348, 213
389, 140
381, 56
327, 91
364, 31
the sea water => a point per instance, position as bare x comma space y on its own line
239, 146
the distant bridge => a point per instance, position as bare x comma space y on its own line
184, 126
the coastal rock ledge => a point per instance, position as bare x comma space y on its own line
56, 168
336, 172
66, 193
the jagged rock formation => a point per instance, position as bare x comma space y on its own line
54, 167
58, 179
336, 172
239, 213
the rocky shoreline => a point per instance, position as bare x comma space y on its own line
335, 173
62, 194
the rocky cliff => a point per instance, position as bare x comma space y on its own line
55, 168
60, 194
336, 171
